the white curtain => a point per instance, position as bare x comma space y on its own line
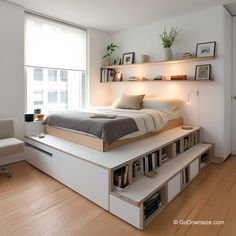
55, 45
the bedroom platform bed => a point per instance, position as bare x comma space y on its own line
97, 143
118, 180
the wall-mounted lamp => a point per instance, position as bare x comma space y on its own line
190, 94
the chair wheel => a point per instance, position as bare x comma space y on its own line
2, 168
9, 174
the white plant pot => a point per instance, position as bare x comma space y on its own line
168, 54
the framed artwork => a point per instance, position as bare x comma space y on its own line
206, 49
203, 72
128, 58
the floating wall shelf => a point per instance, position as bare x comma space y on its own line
195, 59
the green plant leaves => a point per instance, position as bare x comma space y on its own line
168, 38
110, 49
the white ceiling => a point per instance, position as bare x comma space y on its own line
116, 15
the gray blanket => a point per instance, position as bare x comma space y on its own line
109, 130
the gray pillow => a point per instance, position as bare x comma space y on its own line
165, 105
130, 102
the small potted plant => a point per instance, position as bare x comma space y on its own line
109, 50
168, 39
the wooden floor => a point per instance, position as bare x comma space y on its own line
32, 203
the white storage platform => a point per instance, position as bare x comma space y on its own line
91, 173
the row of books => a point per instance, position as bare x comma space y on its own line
146, 164
151, 205
184, 176
120, 177
151, 162
107, 75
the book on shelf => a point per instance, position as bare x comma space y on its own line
181, 145
184, 176
177, 147
173, 151
107, 75
164, 158
154, 165
137, 168
151, 162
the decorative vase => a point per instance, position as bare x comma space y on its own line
107, 61
168, 54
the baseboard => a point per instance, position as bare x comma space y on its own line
217, 160
12, 158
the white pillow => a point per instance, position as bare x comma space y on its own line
164, 105
130, 102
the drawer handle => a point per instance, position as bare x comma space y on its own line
39, 149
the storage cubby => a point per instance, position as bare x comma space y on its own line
167, 153
153, 205
184, 177
204, 160
121, 177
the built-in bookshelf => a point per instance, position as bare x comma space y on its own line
153, 161
177, 163
109, 73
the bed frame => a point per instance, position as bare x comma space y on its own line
98, 144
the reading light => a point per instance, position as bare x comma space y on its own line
190, 94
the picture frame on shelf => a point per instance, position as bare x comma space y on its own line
128, 58
206, 49
203, 72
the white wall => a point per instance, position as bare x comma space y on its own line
99, 94
234, 90
12, 65
202, 26
227, 25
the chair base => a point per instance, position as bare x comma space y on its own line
5, 172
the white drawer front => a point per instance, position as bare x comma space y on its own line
173, 187
126, 211
194, 169
87, 179
40, 159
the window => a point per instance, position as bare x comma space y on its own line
63, 97
38, 98
52, 75
38, 74
63, 75
55, 63
52, 97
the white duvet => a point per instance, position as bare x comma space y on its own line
147, 120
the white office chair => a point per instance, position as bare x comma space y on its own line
8, 144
